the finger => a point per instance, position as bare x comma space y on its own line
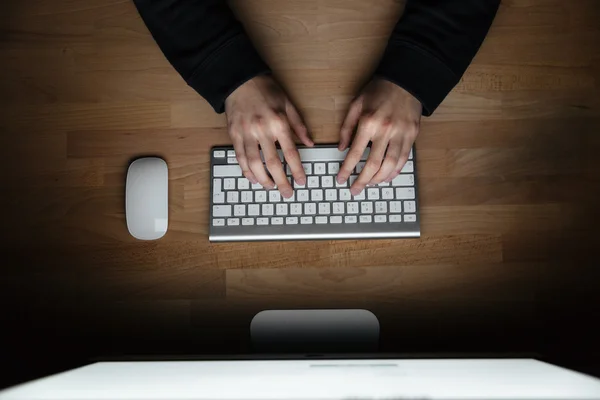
256, 165
392, 156
292, 157
275, 167
401, 161
240, 153
371, 166
298, 125
349, 123
360, 143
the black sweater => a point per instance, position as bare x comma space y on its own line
428, 51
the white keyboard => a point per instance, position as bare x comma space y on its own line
320, 209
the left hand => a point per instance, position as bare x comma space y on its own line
389, 117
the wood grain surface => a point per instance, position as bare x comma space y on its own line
509, 174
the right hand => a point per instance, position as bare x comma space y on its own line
259, 113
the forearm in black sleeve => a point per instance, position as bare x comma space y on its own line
433, 44
205, 43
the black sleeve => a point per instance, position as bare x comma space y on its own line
433, 44
205, 44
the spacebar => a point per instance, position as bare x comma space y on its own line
327, 154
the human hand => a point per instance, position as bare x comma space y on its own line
389, 117
259, 113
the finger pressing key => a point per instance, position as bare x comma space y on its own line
275, 168
292, 157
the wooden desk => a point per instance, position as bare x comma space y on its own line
509, 172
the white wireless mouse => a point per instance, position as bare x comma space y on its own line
146, 198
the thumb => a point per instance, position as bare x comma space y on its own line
349, 123
298, 125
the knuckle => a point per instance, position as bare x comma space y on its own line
373, 164
272, 163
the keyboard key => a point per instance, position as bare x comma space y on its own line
288, 170
324, 208
331, 194
320, 169
316, 195
233, 197
222, 171
396, 218
365, 219
373, 193
291, 198
276, 221
383, 184
410, 155
230, 153
274, 196
247, 221
291, 220
233, 221
262, 221
239, 210
296, 209
350, 219
302, 195
360, 196
404, 180
216, 185
229, 184
321, 220
395, 206
408, 167
219, 198
282, 209
219, 153
381, 207
260, 196
410, 206
387, 193
352, 179
222, 211
410, 218
243, 184
366, 207
306, 220
380, 218
343, 184
333, 168
313, 181
359, 167
336, 219
253, 210
267, 209
256, 186
232, 160
310, 208
338, 208
352, 207
327, 181
218, 222
307, 168
345, 194
405, 193
247, 196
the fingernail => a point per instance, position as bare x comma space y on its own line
287, 193
354, 192
301, 181
253, 180
340, 179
